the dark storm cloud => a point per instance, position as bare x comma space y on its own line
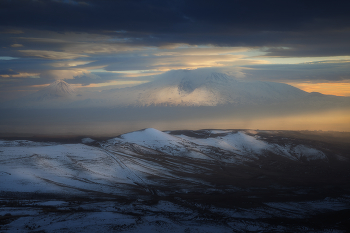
317, 71
309, 28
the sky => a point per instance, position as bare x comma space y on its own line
102, 44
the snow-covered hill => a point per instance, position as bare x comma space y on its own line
225, 146
175, 181
132, 158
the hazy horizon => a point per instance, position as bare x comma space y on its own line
113, 122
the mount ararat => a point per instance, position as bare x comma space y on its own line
174, 88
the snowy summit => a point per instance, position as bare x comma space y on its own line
57, 89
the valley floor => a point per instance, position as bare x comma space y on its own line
176, 213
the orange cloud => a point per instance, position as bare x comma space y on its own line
42, 85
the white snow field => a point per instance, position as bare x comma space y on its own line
173, 181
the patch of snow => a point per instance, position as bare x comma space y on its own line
238, 143
87, 140
302, 151
217, 131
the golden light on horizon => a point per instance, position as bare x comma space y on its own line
336, 88
333, 120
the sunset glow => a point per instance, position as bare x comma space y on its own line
336, 88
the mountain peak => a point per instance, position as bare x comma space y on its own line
57, 89
61, 88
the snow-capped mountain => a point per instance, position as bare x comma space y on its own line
56, 90
57, 94
201, 88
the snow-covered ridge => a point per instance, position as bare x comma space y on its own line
135, 159
174, 180
226, 145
